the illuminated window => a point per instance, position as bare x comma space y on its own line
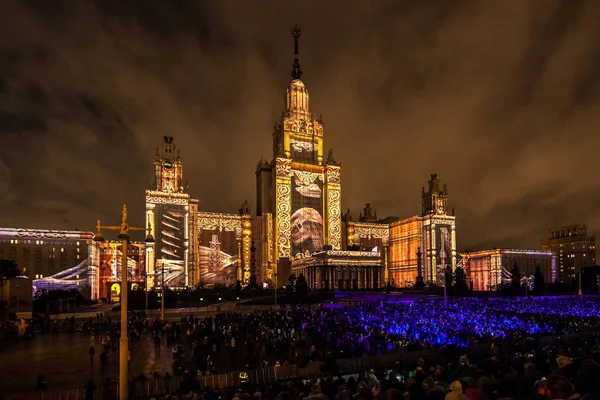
62, 249
37, 242
78, 250
77, 243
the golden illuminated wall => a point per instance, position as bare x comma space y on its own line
262, 232
334, 207
369, 235
193, 259
283, 207
406, 237
246, 246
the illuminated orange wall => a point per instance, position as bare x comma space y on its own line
485, 266
405, 240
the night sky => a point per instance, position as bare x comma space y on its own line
500, 98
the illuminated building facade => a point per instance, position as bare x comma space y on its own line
106, 257
574, 250
298, 190
406, 238
433, 233
298, 225
53, 259
168, 215
488, 269
341, 269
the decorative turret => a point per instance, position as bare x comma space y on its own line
168, 168
245, 208
331, 159
368, 214
434, 200
347, 216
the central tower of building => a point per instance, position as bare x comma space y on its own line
298, 188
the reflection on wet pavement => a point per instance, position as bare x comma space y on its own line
65, 363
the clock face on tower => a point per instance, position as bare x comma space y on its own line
167, 164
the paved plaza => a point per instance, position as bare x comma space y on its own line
65, 363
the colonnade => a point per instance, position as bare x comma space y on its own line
342, 277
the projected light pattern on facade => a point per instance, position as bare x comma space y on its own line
221, 250
170, 253
167, 214
76, 277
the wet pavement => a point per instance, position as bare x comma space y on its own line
64, 361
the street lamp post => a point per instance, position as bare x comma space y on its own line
123, 229
275, 274
162, 291
146, 288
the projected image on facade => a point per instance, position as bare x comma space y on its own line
442, 240
72, 278
170, 238
218, 257
307, 208
110, 261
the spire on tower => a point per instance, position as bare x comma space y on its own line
296, 72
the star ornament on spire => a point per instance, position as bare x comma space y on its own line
296, 31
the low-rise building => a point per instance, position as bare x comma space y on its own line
42, 253
488, 269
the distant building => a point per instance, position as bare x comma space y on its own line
488, 269
42, 253
574, 250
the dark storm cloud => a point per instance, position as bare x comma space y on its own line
501, 99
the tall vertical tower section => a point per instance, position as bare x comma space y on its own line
168, 214
299, 189
439, 230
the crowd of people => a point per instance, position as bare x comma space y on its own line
500, 341
303, 335
553, 373
485, 350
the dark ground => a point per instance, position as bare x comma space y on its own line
65, 363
